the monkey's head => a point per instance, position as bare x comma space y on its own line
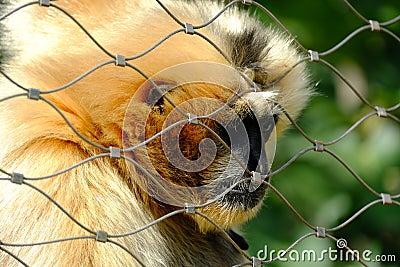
196, 131
205, 130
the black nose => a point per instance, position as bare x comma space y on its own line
256, 142
247, 136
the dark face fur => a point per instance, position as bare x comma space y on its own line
182, 155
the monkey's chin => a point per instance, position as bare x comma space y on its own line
241, 197
235, 208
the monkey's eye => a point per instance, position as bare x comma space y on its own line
156, 92
155, 97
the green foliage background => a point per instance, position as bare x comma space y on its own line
321, 189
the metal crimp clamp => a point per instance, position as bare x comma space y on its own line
101, 236
386, 199
34, 93
256, 181
115, 152
375, 26
319, 146
256, 262
190, 208
381, 112
192, 119
17, 178
257, 87
320, 232
45, 3
247, 2
189, 28
120, 60
314, 56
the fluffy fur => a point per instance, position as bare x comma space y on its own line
48, 50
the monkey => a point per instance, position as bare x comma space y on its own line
193, 110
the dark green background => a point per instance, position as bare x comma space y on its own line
321, 189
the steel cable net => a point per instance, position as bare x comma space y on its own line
315, 145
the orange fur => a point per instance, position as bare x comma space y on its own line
104, 193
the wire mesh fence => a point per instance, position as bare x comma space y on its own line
315, 145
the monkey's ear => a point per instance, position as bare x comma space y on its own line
152, 91
239, 240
